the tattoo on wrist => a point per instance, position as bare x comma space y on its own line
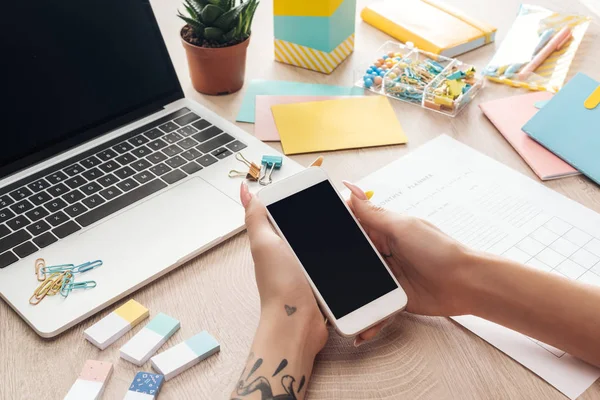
290, 310
248, 385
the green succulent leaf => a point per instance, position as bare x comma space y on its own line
191, 12
227, 20
212, 33
210, 13
196, 6
197, 26
222, 4
229, 35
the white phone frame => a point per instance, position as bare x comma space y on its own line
369, 314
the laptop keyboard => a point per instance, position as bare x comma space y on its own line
61, 200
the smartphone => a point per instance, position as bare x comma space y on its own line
351, 281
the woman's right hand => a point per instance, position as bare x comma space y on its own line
432, 268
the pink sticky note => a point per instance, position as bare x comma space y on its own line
264, 124
509, 115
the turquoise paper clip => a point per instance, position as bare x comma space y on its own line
57, 268
68, 285
88, 266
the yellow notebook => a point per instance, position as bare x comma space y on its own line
431, 25
337, 124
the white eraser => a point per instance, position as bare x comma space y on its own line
145, 386
91, 382
185, 355
110, 328
147, 341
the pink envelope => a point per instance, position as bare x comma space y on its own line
509, 115
264, 124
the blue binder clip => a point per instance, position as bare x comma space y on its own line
270, 163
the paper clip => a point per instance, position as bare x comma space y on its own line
69, 286
57, 268
270, 163
45, 288
88, 266
253, 172
39, 264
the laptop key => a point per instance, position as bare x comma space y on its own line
168, 127
109, 166
126, 159
236, 146
187, 143
141, 165
191, 167
4, 231
75, 182
75, 210
56, 177
66, 229
122, 148
5, 215
172, 150
13, 240
160, 169
222, 153
156, 157
173, 176
215, 143
153, 133
109, 180
25, 249
7, 258
118, 204
5, 201
124, 172
57, 219
141, 152
127, 185
92, 174
37, 213
17, 223
91, 162
144, 177
110, 193
40, 198
106, 155
175, 162
21, 207
45, 240
73, 170
202, 124
73, 196
58, 190
187, 131
172, 137
206, 134
138, 140
191, 154
21, 193
206, 160
186, 119
38, 185
157, 144
37, 228
55, 205
93, 201
90, 188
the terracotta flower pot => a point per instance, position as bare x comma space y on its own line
217, 71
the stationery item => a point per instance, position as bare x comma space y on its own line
145, 386
538, 49
269, 163
149, 339
318, 162
569, 128
316, 35
337, 124
509, 115
489, 207
185, 355
253, 173
110, 328
91, 382
264, 125
554, 44
438, 83
431, 25
284, 88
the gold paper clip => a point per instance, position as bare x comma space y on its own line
253, 173
39, 273
45, 288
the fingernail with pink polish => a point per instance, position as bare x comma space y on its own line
245, 195
355, 190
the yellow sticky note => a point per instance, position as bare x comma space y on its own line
132, 312
347, 123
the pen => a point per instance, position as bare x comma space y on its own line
554, 44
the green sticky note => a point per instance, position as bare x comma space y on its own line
284, 88
164, 325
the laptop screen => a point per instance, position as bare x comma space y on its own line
72, 70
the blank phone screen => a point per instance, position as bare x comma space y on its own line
333, 250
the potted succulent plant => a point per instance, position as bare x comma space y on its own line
215, 38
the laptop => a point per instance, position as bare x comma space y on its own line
104, 158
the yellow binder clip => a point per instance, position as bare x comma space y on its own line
253, 173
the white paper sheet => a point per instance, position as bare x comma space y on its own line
490, 207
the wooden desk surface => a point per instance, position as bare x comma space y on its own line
415, 358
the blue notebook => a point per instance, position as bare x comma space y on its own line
569, 129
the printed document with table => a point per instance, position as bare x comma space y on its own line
489, 207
